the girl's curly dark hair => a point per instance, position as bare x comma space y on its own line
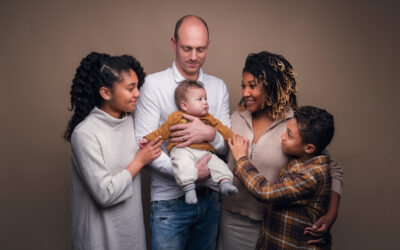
95, 71
277, 77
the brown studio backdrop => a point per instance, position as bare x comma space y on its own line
345, 54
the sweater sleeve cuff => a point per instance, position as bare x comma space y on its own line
240, 163
127, 179
337, 186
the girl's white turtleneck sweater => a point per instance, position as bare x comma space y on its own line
106, 205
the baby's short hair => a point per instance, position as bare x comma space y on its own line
316, 126
181, 90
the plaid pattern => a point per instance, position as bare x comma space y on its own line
299, 197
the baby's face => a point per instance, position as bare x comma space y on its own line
196, 102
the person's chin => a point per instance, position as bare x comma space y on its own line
251, 110
193, 67
283, 149
131, 108
192, 70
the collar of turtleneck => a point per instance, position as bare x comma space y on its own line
106, 118
249, 120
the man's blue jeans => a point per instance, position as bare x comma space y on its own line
178, 226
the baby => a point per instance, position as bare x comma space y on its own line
191, 98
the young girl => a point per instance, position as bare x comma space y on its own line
106, 204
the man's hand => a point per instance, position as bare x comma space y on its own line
203, 173
194, 132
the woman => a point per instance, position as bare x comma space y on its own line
268, 101
106, 196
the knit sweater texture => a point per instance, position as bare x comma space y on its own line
106, 205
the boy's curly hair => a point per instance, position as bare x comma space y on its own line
316, 126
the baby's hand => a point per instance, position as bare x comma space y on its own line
238, 146
143, 142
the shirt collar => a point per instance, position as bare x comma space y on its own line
320, 159
247, 117
179, 78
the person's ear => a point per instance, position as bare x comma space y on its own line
184, 105
309, 148
105, 93
173, 42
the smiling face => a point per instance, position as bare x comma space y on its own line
123, 96
252, 93
190, 47
195, 102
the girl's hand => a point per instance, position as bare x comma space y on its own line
239, 146
149, 151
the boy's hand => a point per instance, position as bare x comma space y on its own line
194, 132
239, 146
143, 142
319, 231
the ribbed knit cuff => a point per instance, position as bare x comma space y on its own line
189, 187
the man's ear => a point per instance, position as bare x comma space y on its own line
173, 42
105, 93
184, 105
309, 148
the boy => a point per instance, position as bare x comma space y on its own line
191, 98
301, 194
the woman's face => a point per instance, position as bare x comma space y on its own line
252, 93
124, 95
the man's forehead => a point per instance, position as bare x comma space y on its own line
192, 32
192, 21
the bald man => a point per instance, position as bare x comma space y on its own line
174, 223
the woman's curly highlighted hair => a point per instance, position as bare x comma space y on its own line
97, 70
277, 77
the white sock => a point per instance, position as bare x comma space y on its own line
191, 197
190, 193
227, 188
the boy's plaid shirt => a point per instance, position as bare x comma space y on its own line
299, 198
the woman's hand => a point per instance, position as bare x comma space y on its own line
149, 151
239, 146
